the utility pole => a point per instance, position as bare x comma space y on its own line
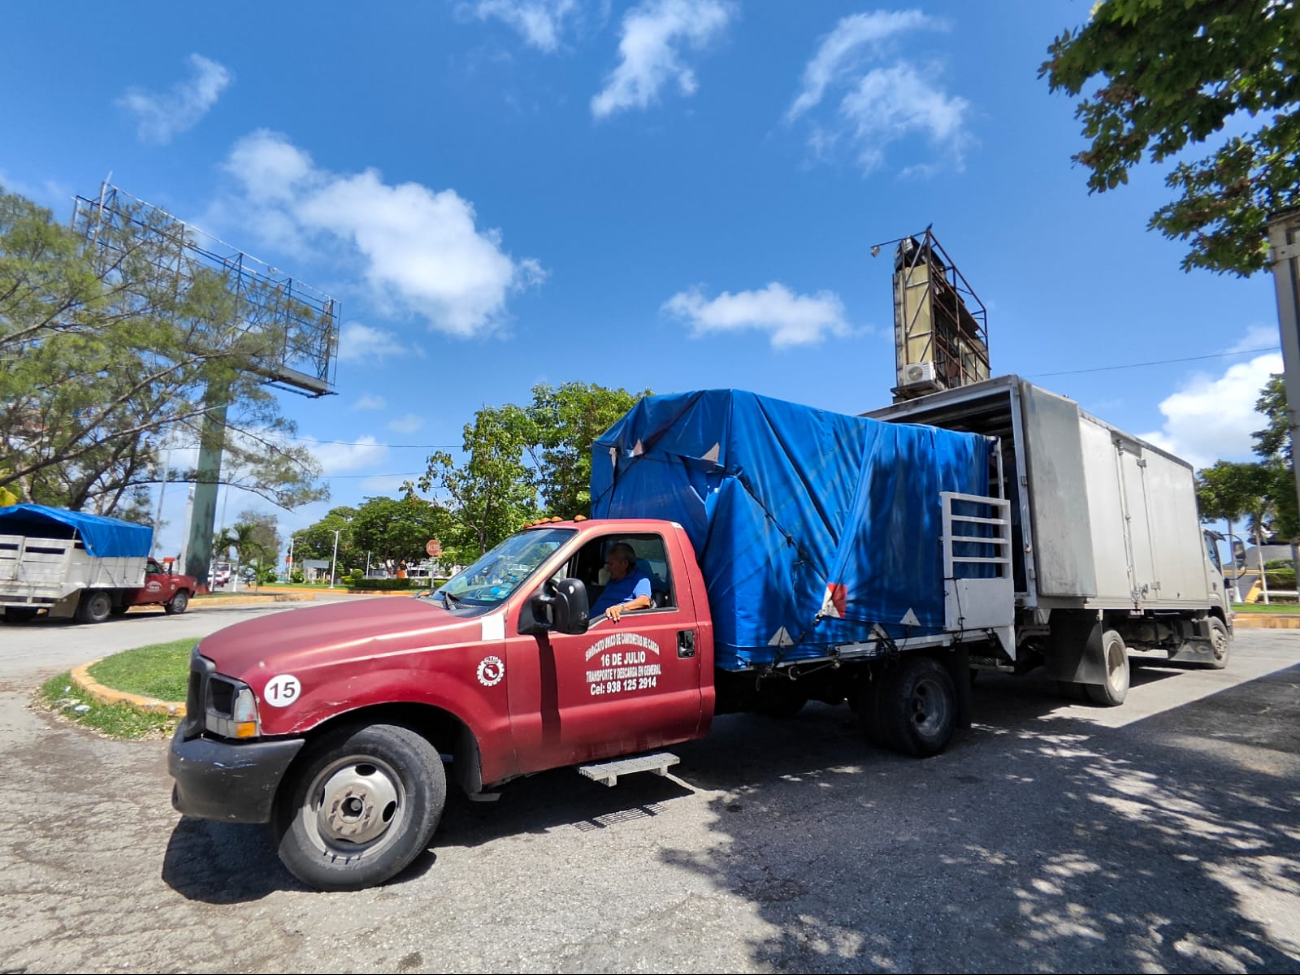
1284, 253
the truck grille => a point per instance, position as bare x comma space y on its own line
201, 671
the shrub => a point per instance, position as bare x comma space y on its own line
384, 585
1281, 579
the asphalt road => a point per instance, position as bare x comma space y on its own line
1161, 836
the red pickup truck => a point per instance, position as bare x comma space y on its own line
764, 555
329, 722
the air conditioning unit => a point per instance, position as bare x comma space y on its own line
920, 374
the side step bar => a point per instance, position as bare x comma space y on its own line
608, 772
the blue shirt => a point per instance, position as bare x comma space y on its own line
621, 590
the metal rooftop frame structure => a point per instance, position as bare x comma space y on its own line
941, 334
266, 296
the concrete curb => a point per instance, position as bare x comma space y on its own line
107, 695
1265, 621
277, 597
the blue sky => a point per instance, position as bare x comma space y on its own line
672, 194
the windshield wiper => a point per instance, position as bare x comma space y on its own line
449, 599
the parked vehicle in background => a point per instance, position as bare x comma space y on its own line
73, 565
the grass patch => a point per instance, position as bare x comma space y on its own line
60, 695
1283, 609
161, 670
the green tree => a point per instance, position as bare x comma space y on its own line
110, 342
393, 529
1273, 446
492, 491
253, 538
1234, 492
567, 419
1174, 73
316, 541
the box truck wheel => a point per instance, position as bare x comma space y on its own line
96, 605
362, 804
917, 706
1115, 656
1221, 641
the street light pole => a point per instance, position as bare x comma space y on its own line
1284, 248
335, 560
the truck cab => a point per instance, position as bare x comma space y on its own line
336, 715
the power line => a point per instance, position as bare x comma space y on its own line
1153, 362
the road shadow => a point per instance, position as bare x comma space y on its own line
555, 799
1169, 844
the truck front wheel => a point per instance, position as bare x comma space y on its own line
1221, 641
96, 605
917, 707
363, 803
179, 603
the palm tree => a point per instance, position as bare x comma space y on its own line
242, 537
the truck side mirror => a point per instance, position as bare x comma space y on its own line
562, 607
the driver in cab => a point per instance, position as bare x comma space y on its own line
628, 588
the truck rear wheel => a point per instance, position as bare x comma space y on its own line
362, 805
96, 605
1115, 656
917, 707
179, 603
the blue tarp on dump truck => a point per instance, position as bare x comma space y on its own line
811, 527
103, 537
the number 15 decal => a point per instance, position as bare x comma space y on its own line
282, 691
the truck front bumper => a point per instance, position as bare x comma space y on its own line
234, 782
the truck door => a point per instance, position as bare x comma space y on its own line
620, 687
1139, 547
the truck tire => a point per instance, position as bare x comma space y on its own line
1115, 655
362, 804
917, 706
179, 603
1221, 641
95, 606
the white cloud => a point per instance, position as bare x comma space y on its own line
162, 115
791, 319
363, 343
1210, 418
539, 22
842, 47
336, 458
650, 50
1257, 338
368, 401
420, 250
386, 484
407, 423
885, 97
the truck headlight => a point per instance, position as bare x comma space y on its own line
231, 709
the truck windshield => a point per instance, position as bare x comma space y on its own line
501, 571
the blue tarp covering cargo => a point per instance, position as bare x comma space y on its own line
810, 527
103, 537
